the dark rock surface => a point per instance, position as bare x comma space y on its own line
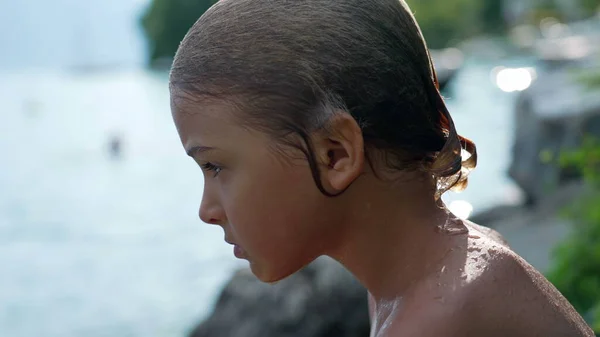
322, 300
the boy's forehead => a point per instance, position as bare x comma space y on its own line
185, 101
185, 105
203, 128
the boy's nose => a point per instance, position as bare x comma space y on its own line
210, 212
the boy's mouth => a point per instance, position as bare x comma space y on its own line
238, 251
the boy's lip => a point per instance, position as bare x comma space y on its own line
238, 252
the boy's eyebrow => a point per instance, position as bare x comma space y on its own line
194, 150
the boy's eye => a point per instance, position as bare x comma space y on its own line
211, 167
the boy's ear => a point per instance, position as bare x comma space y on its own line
340, 150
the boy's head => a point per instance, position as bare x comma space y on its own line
357, 71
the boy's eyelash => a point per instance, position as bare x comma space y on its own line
211, 167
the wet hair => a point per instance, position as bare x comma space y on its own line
290, 64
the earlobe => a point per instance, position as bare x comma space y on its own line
343, 151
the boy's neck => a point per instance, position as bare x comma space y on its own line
391, 238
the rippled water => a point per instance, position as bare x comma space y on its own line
89, 245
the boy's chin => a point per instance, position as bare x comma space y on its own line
273, 275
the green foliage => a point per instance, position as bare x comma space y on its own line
596, 319
445, 22
590, 79
576, 272
491, 16
543, 9
590, 7
167, 21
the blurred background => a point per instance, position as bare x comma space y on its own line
99, 234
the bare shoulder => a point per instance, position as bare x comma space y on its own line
488, 290
489, 232
506, 295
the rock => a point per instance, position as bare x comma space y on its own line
322, 300
550, 117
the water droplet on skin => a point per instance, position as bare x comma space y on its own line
452, 230
452, 227
443, 269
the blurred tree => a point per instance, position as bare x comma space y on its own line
590, 7
564, 10
167, 21
546, 9
444, 22
576, 269
492, 16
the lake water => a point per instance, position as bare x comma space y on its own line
92, 245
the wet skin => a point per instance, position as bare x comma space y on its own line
480, 288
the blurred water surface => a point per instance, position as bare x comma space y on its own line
94, 245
